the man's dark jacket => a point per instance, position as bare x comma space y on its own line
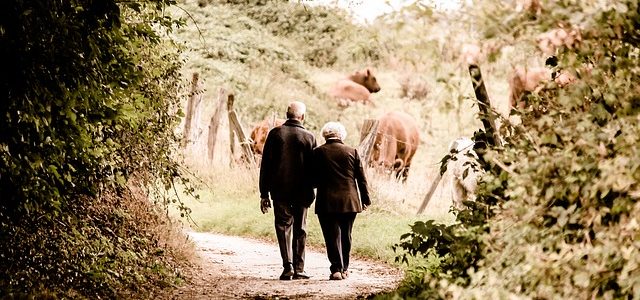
339, 175
285, 170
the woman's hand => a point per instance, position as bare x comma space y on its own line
265, 204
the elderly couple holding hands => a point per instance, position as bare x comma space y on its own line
292, 166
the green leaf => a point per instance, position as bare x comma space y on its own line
71, 116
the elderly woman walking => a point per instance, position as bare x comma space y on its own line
342, 193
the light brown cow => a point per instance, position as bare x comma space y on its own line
526, 80
471, 54
357, 87
533, 79
397, 140
477, 53
260, 131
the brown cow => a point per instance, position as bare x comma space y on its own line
397, 139
357, 87
528, 80
259, 133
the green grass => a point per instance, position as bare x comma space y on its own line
232, 207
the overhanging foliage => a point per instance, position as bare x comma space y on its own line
89, 104
564, 196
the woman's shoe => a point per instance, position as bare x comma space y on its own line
287, 273
336, 276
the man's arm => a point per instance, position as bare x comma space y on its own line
266, 169
266, 166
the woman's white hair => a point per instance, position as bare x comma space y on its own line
334, 130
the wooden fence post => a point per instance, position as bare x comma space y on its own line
214, 123
273, 121
235, 129
195, 97
232, 142
486, 115
430, 192
367, 138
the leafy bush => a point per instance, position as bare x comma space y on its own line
324, 35
563, 195
90, 91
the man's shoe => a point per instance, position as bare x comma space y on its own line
345, 274
301, 275
336, 276
286, 274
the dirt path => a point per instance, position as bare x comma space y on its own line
239, 268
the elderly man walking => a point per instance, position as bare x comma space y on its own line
285, 175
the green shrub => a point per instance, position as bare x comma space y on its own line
90, 103
564, 194
324, 36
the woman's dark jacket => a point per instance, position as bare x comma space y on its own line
339, 177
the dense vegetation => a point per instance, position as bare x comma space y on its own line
557, 214
93, 95
89, 92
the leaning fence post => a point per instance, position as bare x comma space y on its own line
367, 138
432, 189
235, 129
245, 147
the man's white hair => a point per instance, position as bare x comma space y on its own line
334, 130
296, 110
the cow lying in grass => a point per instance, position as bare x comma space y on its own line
357, 87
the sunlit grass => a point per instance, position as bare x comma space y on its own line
229, 203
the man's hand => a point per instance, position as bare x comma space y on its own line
265, 204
